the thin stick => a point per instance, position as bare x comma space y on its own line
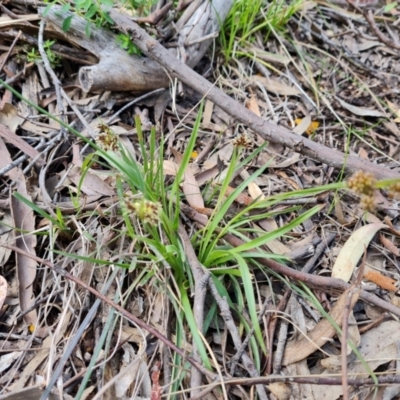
385, 40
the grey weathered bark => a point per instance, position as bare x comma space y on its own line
119, 71
268, 131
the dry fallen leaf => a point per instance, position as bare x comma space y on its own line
377, 346
381, 280
276, 87
252, 104
207, 114
299, 349
24, 223
224, 154
3, 290
280, 390
9, 117
389, 245
361, 111
20, 143
353, 249
305, 125
254, 190
91, 185
302, 125
6, 235
190, 186
274, 245
395, 109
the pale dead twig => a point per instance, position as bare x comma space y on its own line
271, 332
385, 40
371, 22
10, 49
309, 266
49, 70
268, 131
236, 358
155, 17
230, 324
201, 277
280, 346
18, 75
373, 324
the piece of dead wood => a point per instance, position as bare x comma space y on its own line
267, 130
119, 71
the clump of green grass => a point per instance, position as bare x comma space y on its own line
248, 19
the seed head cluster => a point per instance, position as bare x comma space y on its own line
364, 184
394, 190
367, 202
147, 211
243, 140
107, 139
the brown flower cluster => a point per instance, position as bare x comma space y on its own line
394, 190
243, 140
364, 184
107, 139
147, 211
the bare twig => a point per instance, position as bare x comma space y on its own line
235, 359
385, 40
271, 332
318, 253
230, 324
155, 17
10, 49
268, 131
52, 74
311, 379
201, 277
